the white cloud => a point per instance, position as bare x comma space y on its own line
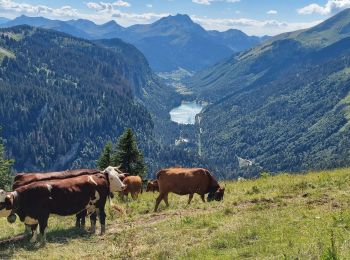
103, 6
272, 12
122, 3
208, 2
331, 7
201, 2
11, 6
251, 26
149, 5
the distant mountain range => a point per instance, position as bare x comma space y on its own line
285, 104
170, 43
3, 20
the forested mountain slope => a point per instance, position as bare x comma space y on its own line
284, 104
62, 98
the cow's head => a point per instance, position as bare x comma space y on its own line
6, 204
122, 176
217, 195
152, 186
115, 184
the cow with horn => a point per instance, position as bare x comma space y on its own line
34, 203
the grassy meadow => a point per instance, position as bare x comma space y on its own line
282, 217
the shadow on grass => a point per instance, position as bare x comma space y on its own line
60, 236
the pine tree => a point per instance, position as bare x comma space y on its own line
5, 169
128, 156
105, 158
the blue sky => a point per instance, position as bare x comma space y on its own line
255, 17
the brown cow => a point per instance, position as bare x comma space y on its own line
22, 179
33, 203
133, 186
184, 181
152, 185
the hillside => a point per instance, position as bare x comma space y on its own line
68, 97
169, 44
283, 217
268, 61
283, 104
147, 87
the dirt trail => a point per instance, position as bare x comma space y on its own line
154, 218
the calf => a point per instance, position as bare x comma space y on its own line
133, 186
152, 186
187, 181
33, 203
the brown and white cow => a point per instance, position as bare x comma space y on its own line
33, 203
22, 179
152, 185
133, 186
187, 181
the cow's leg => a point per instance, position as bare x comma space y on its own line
42, 226
77, 220
203, 198
190, 198
93, 218
102, 216
27, 229
121, 195
34, 232
158, 200
134, 195
165, 198
82, 221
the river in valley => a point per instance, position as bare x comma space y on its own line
186, 113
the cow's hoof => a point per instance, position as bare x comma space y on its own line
12, 218
103, 230
33, 239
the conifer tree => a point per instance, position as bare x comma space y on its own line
5, 169
105, 158
128, 156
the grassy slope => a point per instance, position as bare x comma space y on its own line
275, 217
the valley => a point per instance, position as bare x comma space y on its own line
279, 103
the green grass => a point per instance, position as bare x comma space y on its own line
282, 217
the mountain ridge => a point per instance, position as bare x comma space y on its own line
182, 42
